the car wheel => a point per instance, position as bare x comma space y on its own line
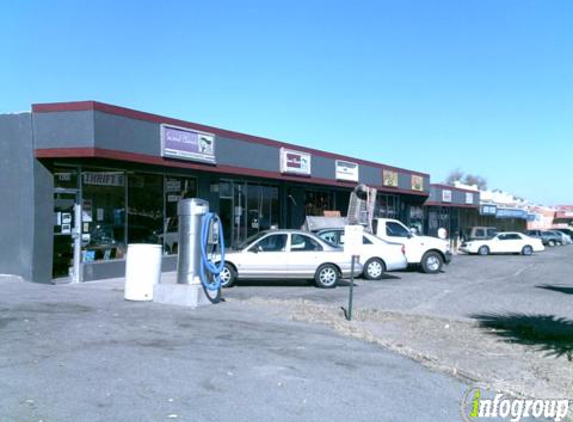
228, 275
484, 250
551, 243
527, 250
374, 269
432, 262
326, 276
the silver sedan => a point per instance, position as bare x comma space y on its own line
287, 254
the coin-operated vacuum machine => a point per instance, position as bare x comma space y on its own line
201, 257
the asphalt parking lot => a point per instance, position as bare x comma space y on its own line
283, 350
470, 285
82, 353
503, 319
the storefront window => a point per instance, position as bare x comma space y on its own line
387, 206
145, 208
103, 219
416, 219
317, 202
246, 209
254, 209
176, 188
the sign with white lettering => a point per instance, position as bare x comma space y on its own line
187, 144
346, 170
103, 179
295, 162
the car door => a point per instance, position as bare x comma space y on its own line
305, 256
266, 258
506, 243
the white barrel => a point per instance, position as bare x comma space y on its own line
142, 271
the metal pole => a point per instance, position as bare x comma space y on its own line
351, 295
77, 236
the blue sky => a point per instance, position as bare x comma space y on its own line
481, 85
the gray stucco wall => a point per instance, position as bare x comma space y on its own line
458, 196
24, 243
43, 223
99, 129
67, 129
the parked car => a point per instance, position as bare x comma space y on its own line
377, 254
504, 242
287, 254
170, 237
564, 239
548, 237
478, 233
567, 232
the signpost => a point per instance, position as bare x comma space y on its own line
352, 246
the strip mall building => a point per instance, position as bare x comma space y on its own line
127, 169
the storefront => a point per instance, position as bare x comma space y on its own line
450, 208
503, 217
125, 171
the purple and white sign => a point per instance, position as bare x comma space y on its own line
187, 144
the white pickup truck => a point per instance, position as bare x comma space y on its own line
430, 253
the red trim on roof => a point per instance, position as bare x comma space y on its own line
160, 161
448, 187
155, 118
441, 204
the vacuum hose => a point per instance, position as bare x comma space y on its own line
212, 282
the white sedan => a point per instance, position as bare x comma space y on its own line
287, 254
377, 254
505, 242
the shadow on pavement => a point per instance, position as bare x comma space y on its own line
545, 333
387, 276
560, 289
274, 283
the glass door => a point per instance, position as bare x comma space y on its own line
246, 209
64, 224
239, 213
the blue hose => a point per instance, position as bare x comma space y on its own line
207, 264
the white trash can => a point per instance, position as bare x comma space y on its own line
142, 270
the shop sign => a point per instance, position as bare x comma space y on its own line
511, 213
469, 198
488, 209
103, 179
173, 185
390, 178
417, 183
447, 195
187, 144
346, 170
295, 162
